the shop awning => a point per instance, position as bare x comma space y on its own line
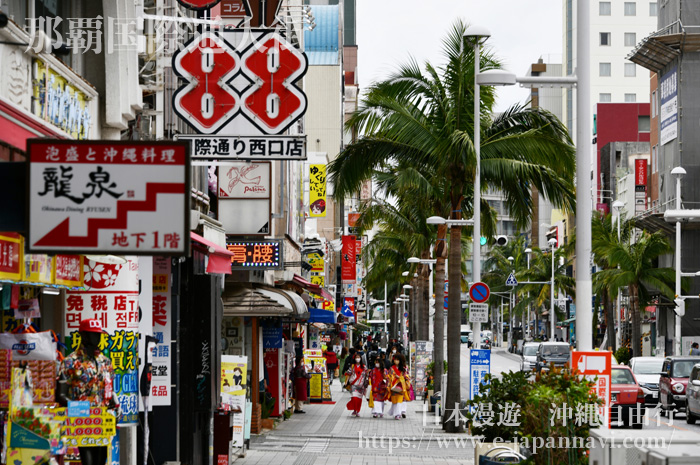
289, 299
246, 301
312, 288
322, 316
219, 257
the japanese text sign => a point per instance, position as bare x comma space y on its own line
668, 110
162, 326
256, 254
11, 256
118, 197
479, 367
317, 191
640, 172
596, 366
265, 101
348, 260
214, 147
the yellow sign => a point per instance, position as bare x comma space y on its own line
233, 376
38, 269
316, 386
329, 305
68, 270
11, 256
59, 103
316, 262
320, 280
317, 191
90, 431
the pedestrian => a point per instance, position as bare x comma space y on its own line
341, 364
348, 362
399, 386
357, 382
388, 363
358, 350
378, 394
694, 350
331, 363
301, 380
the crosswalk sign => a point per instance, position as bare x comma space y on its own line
511, 281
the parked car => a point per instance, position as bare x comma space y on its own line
626, 398
647, 370
529, 356
558, 353
692, 409
674, 379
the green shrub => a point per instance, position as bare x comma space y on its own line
623, 355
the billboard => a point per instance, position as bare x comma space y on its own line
668, 110
121, 197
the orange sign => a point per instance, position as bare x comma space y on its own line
256, 254
596, 366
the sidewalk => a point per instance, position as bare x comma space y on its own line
327, 434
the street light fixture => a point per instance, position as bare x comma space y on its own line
678, 172
528, 251
441, 220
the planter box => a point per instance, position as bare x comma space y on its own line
268, 423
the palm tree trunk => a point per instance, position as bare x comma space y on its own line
609, 320
438, 325
636, 322
452, 400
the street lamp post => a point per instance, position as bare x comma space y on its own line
510, 310
618, 206
678, 173
528, 251
553, 243
430, 262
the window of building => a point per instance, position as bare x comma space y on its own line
630, 39
604, 69
643, 124
630, 8
653, 104
630, 70
605, 98
630, 98
604, 38
604, 8
653, 9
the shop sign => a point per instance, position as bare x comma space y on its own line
234, 371
68, 270
240, 82
162, 326
242, 180
250, 217
145, 309
38, 269
93, 430
316, 262
318, 279
113, 298
272, 337
668, 111
11, 256
245, 148
348, 263
119, 197
317, 191
60, 103
256, 255
329, 305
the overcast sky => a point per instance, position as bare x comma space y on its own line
390, 31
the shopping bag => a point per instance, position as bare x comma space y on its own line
29, 346
370, 400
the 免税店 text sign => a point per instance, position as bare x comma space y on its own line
119, 197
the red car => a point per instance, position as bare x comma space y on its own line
673, 382
626, 398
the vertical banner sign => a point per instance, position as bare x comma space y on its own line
424, 355
348, 272
68, 270
113, 298
145, 319
317, 191
349, 302
233, 387
479, 367
162, 320
668, 111
596, 367
640, 185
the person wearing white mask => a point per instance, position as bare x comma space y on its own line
378, 394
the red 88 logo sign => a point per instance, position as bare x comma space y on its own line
210, 100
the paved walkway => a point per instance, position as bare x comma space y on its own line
327, 434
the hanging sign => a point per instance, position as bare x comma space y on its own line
256, 255
11, 256
348, 260
317, 191
108, 197
246, 148
68, 270
243, 180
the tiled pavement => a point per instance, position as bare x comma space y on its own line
327, 434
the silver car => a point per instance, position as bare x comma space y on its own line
529, 356
647, 371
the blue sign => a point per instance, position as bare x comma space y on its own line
479, 292
668, 110
272, 337
479, 367
511, 281
78, 408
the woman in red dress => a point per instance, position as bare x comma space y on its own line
357, 382
378, 381
301, 379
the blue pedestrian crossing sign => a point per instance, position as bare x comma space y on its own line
511, 281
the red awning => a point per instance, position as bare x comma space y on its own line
219, 257
312, 288
16, 127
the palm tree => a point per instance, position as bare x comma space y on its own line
425, 119
636, 270
604, 237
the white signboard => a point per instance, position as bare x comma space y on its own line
478, 313
162, 324
145, 314
245, 217
668, 110
215, 147
120, 197
244, 180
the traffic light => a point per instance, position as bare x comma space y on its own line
501, 240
